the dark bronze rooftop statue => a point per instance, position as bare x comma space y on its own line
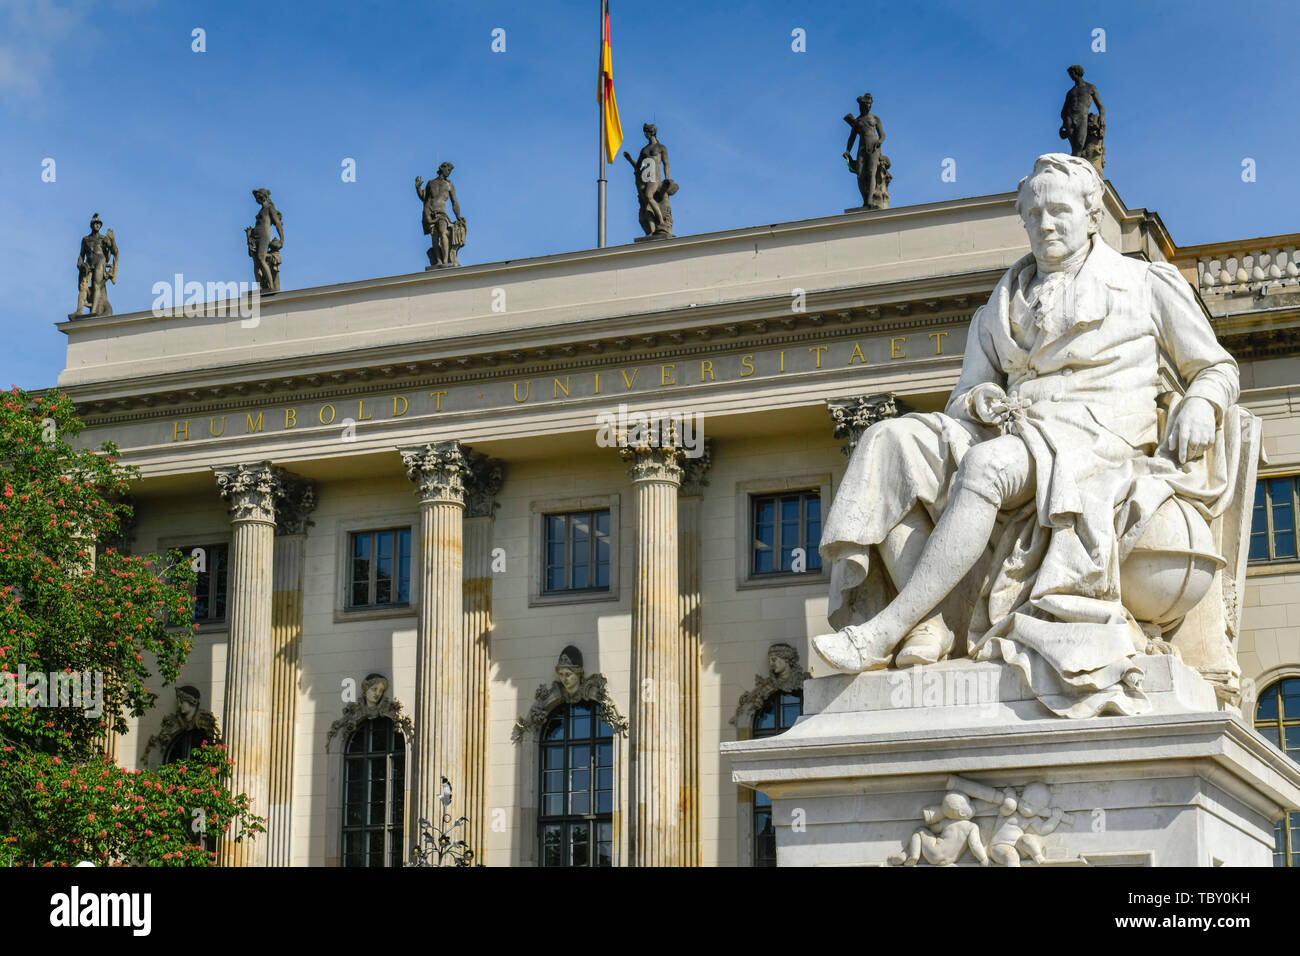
1085, 130
655, 213
96, 267
870, 165
262, 249
448, 237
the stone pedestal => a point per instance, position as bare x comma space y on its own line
1185, 785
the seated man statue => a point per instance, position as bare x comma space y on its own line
1006, 518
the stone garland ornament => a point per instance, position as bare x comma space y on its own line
571, 686
185, 729
1024, 817
96, 267
783, 674
374, 703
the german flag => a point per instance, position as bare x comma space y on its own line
605, 94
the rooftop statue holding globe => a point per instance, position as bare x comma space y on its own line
1018, 524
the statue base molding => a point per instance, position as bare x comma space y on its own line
944, 764
654, 237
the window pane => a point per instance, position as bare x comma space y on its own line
813, 530
579, 845
555, 547
1268, 703
552, 835
404, 566
1290, 689
764, 535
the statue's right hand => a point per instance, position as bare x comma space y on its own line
989, 403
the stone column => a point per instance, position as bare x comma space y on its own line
689, 504
250, 491
853, 416
290, 551
440, 472
485, 480
655, 768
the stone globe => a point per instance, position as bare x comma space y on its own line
1171, 567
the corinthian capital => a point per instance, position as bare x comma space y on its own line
853, 416
486, 477
440, 471
250, 490
295, 500
660, 462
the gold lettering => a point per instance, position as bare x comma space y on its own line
176, 431
747, 361
528, 390
819, 349
253, 426
707, 366
938, 341
321, 414
361, 411
561, 388
437, 397
782, 360
212, 427
893, 347
857, 354
405, 405
597, 383
666, 375
632, 381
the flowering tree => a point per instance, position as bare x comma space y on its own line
78, 621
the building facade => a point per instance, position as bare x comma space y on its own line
548, 528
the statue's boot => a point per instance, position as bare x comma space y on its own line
857, 648
927, 643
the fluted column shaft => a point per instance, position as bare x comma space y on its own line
439, 472
286, 642
477, 605
689, 507
655, 764
250, 492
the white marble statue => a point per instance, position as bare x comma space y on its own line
1006, 519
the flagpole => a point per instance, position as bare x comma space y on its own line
600, 118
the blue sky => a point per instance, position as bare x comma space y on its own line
167, 144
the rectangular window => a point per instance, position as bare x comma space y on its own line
1273, 522
576, 551
210, 561
379, 572
781, 523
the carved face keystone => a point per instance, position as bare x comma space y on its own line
569, 679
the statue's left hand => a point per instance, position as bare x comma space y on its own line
1193, 429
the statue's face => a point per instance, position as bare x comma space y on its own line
777, 664
186, 707
569, 679
1055, 217
375, 692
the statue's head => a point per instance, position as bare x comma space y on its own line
780, 658
1076, 72
956, 806
187, 701
1035, 799
865, 101
445, 170
568, 670
650, 130
1060, 204
373, 689
96, 223
262, 195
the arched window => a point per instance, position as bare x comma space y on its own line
576, 817
778, 714
374, 778
1277, 717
